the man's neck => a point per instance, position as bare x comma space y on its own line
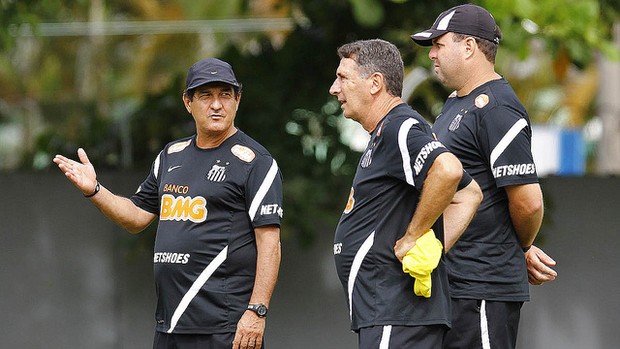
381, 109
208, 142
477, 80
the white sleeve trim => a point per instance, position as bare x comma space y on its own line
507, 139
404, 149
263, 189
156, 165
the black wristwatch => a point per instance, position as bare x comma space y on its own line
259, 309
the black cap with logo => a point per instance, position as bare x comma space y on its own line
210, 70
465, 19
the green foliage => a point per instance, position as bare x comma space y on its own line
18, 15
368, 12
131, 106
574, 26
213, 9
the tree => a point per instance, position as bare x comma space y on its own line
119, 95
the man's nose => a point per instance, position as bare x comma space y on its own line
432, 54
216, 104
335, 88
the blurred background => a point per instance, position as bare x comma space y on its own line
108, 75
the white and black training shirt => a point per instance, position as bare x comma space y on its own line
489, 131
208, 201
383, 198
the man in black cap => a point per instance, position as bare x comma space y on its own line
485, 125
217, 196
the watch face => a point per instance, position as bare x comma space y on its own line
261, 310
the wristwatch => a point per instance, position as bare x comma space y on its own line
260, 309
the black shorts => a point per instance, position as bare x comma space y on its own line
193, 341
399, 337
483, 324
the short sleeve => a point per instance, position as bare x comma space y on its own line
465, 180
264, 192
418, 149
505, 138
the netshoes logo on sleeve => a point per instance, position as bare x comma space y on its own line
514, 170
183, 208
423, 155
270, 209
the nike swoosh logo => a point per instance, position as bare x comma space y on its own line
172, 168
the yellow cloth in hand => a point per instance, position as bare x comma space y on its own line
421, 260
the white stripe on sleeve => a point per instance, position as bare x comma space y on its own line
507, 139
156, 165
404, 150
263, 189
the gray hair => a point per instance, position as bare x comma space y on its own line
377, 56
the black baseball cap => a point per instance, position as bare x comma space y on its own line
465, 19
210, 70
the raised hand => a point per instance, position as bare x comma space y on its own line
81, 174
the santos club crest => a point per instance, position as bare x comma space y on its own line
456, 122
217, 173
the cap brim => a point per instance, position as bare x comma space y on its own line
201, 82
426, 37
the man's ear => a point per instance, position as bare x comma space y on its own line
377, 83
187, 102
471, 46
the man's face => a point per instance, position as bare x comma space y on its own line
447, 57
213, 107
352, 90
